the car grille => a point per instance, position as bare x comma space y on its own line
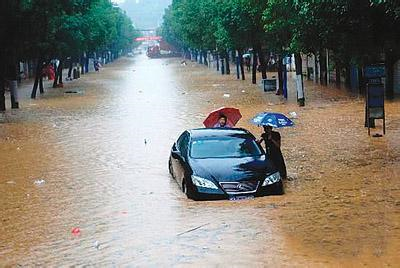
244, 187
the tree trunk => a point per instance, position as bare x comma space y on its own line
217, 60
338, 78
237, 65
2, 83
262, 63
254, 70
38, 76
279, 91
222, 65
390, 60
361, 81
322, 65
347, 76
205, 58
70, 69
241, 64
299, 79
2, 92
308, 69
228, 68
11, 77
284, 84
315, 69
60, 73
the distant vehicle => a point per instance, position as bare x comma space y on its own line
130, 54
222, 163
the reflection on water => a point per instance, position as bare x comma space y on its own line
103, 157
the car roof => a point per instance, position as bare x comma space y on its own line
217, 132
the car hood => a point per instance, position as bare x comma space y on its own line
232, 169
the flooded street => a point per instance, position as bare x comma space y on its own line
97, 160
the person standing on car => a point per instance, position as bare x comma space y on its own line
272, 141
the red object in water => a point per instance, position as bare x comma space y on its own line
76, 231
233, 116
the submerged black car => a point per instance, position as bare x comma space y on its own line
221, 163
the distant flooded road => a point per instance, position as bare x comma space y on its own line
97, 160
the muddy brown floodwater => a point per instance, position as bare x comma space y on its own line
81, 160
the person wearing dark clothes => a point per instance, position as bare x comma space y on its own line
272, 141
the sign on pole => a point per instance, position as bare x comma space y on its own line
375, 98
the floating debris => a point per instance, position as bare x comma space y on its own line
193, 229
226, 95
39, 182
76, 231
292, 115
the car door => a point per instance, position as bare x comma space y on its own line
179, 157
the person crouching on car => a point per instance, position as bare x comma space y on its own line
222, 122
272, 141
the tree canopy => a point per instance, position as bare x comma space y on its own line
355, 30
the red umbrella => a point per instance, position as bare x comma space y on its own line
232, 114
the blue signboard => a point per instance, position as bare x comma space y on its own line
374, 71
375, 105
376, 95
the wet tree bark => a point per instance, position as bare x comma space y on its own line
200, 57
361, 81
2, 92
205, 58
2, 83
299, 79
222, 65
228, 69
38, 76
390, 60
322, 65
217, 60
12, 81
315, 69
338, 76
254, 69
262, 63
279, 90
347, 76
56, 69
237, 65
60, 73
70, 68
241, 64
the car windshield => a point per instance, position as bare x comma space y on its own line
224, 147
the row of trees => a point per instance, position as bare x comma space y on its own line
42, 30
356, 32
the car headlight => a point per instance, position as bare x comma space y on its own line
201, 182
271, 179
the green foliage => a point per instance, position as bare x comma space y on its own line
357, 31
189, 23
48, 28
